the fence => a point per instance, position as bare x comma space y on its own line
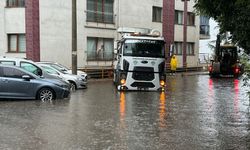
99, 73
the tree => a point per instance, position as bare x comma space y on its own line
232, 16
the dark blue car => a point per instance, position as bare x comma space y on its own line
17, 83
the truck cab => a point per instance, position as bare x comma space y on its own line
140, 62
226, 62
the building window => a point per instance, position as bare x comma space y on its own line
16, 43
178, 17
100, 11
190, 48
204, 25
99, 48
205, 29
157, 14
178, 48
15, 3
191, 19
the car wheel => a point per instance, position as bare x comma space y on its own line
46, 94
72, 86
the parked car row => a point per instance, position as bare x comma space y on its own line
25, 79
76, 81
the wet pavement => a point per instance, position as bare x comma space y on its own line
195, 112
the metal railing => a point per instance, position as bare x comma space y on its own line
99, 73
99, 56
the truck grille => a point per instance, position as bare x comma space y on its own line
143, 73
143, 84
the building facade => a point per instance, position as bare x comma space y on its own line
49, 39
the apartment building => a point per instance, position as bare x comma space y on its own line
41, 30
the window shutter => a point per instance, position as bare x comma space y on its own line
12, 43
22, 43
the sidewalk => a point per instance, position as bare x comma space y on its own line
192, 73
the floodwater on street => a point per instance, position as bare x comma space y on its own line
195, 112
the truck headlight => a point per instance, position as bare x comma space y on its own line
162, 83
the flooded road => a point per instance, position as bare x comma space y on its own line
195, 112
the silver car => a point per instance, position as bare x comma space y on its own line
76, 81
27, 65
62, 68
17, 83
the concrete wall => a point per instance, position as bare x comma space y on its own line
92, 29
12, 21
55, 28
3, 38
138, 13
192, 34
55, 31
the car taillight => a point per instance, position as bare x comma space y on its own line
237, 70
210, 68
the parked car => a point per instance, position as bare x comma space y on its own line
17, 83
27, 65
76, 81
65, 69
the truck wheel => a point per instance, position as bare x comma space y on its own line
211, 75
236, 76
117, 79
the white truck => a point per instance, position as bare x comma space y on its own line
140, 61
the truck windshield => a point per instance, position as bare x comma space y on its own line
144, 48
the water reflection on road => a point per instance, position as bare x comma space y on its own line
195, 112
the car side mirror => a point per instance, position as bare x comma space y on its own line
26, 77
63, 70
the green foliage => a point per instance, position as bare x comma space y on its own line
212, 43
245, 60
232, 16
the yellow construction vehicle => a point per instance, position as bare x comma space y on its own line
226, 61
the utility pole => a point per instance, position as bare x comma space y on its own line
74, 37
185, 34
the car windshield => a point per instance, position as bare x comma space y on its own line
144, 48
60, 68
229, 53
50, 70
